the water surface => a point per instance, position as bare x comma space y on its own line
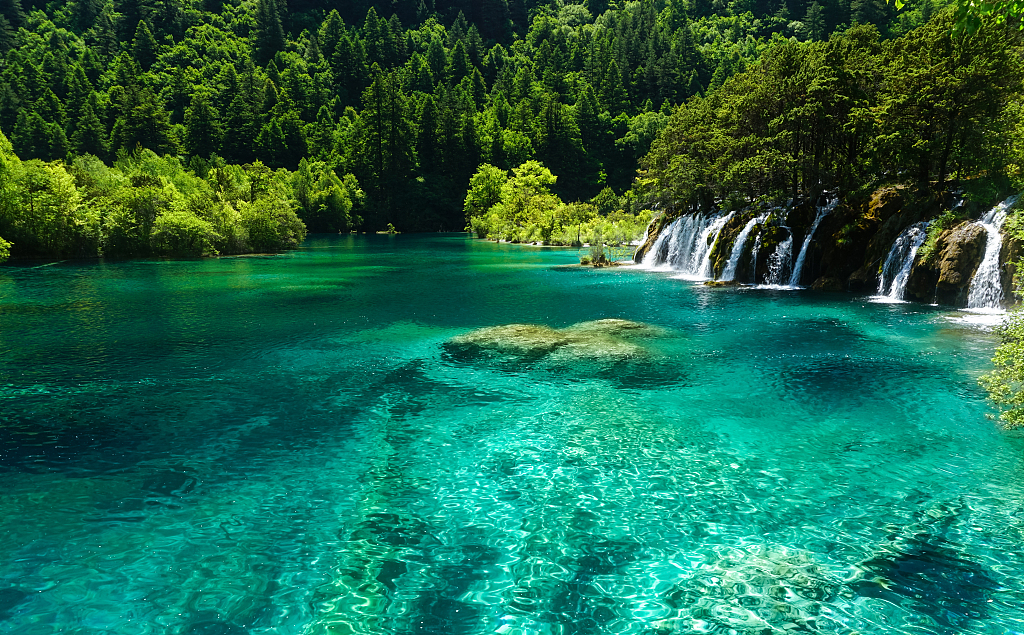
283, 445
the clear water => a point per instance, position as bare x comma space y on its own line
282, 445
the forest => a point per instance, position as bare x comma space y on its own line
362, 114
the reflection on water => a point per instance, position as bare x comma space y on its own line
287, 445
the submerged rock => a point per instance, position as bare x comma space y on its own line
597, 339
751, 590
723, 283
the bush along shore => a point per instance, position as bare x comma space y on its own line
146, 205
519, 207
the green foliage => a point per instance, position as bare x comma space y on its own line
411, 97
1004, 384
271, 224
182, 233
844, 115
325, 201
971, 14
151, 205
523, 209
5, 249
485, 189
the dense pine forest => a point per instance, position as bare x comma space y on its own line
138, 127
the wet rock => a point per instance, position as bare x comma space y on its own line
828, 284
771, 236
722, 283
886, 202
896, 209
944, 274
722, 250
653, 230
864, 279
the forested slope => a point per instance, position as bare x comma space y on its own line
410, 96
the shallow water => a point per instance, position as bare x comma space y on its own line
282, 445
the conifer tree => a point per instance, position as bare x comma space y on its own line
90, 135
144, 46
331, 32
269, 36
12, 11
144, 122
436, 58
104, 33
814, 21
203, 131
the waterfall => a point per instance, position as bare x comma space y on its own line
986, 290
688, 244
753, 256
708, 239
685, 245
737, 248
779, 261
658, 250
675, 242
896, 271
823, 210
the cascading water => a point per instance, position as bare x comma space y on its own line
737, 248
685, 245
986, 290
798, 268
892, 283
708, 239
753, 256
659, 250
778, 262
674, 242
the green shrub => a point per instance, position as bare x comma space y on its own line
1005, 381
271, 224
182, 233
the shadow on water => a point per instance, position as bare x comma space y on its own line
10, 598
41, 444
215, 627
929, 575
851, 379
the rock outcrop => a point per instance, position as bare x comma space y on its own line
944, 273
657, 225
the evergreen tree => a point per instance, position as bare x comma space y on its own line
90, 135
144, 46
385, 144
35, 138
814, 21
12, 11
104, 33
144, 122
203, 131
268, 38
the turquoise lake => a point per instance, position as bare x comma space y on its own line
284, 444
